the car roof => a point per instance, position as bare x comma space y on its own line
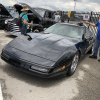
41, 8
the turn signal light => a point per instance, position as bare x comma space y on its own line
63, 67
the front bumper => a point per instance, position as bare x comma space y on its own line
25, 66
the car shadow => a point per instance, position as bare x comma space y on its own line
85, 56
34, 80
11, 36
31, 79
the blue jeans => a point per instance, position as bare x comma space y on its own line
96, 47
23, 30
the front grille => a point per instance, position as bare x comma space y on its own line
12, 27
15, 62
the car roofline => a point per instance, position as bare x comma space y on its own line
71, 24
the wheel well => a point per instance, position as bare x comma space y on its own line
79, 53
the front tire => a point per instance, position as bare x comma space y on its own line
73, 65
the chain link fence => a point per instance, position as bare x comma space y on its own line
77, 17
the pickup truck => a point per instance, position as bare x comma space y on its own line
41, 18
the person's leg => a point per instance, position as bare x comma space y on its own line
99, 50
20, 30
23, 30
96, 47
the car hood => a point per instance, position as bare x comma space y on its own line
48, 46
3, 12
19, 6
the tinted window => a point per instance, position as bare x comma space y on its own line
88, 33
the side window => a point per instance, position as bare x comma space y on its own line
50, 15
88, 33
46, 14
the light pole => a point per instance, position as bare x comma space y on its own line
75, 4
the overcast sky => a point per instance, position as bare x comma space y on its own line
66, 5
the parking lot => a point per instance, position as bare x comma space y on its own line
18, 85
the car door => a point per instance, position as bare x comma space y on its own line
88, 40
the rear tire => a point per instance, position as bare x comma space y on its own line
36, 31
73, 65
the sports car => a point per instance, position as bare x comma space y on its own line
55, 51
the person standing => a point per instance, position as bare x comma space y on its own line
57, 17
25, 20
97, 40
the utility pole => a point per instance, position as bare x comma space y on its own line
75, 4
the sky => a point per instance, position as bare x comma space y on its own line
65, 5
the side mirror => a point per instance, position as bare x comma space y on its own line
83, 37
44, 29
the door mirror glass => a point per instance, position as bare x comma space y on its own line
83, 37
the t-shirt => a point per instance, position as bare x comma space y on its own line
24, 17
57, 17
98, 33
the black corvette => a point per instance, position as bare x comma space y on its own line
52, 52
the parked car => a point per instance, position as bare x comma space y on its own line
4, 15
45, 13
52, 52
37, 15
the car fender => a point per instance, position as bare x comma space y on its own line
67, 56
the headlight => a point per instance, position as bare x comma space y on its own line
6, 21
5, 55
39, 68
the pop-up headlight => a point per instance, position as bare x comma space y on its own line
39, 68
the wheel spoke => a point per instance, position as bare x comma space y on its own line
74, 63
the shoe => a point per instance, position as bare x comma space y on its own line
92, 56
99, 60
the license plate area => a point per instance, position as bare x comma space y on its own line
15, 63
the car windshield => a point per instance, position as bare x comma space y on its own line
65, 30
13, 13
40, 12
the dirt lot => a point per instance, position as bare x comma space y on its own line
17, 85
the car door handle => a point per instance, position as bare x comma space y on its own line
91, 38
